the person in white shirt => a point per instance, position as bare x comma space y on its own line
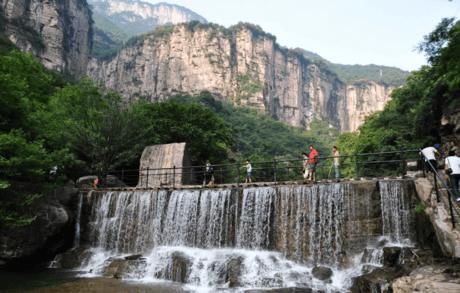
248, 171
336, 156
452, 168
429, 155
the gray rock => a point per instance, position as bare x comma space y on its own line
322, 273
234, 272
56, 32
71, 259
44, 236
133, 257
376, 281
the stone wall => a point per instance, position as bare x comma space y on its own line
165, 165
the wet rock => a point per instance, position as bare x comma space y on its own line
234, 272
115, 269
404, 256
322, 273
71, 259
281, 290
178, 269
133, 257
436, 278
50, 232
378, 280
391, 256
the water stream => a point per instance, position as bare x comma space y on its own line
258, 237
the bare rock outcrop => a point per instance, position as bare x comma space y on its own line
164, 164
57, 32
243, 65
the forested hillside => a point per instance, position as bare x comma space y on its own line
388, 75
413, 117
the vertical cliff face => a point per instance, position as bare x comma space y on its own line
243, 65
57, 32
362, 99
137, 17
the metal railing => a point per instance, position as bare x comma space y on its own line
278, 170
440, 182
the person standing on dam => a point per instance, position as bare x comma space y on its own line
336, 162
312, 161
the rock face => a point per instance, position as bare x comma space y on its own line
51, 230
438, 213
57, 32
243, 65
137, 17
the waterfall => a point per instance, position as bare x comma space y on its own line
136, 221
254, 229
268, 237
396, 216
76, 242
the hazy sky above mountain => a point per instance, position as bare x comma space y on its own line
342, 31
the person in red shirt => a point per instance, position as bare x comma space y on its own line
312, 161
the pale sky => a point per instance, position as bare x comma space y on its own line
384, 32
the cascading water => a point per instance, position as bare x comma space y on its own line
76, 242
258, 237
396, 216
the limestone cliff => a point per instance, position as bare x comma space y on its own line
243, 65
137, 17
58, 32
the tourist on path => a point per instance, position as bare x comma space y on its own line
96, 182
336, 156
305, 167
312, 161
452, 168
248, 171
208, 174
429, 155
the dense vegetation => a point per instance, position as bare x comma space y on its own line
412, 118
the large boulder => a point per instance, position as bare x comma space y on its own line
51, 231
378, 280
435, 278
322, 273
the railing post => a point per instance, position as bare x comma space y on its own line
122, 175
221, 175
147, 180
174, 176
404, 166
436, 187
204, 177
451, 210
356, 166
237, 175
274, 170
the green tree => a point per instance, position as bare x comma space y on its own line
206, 135
100, 130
